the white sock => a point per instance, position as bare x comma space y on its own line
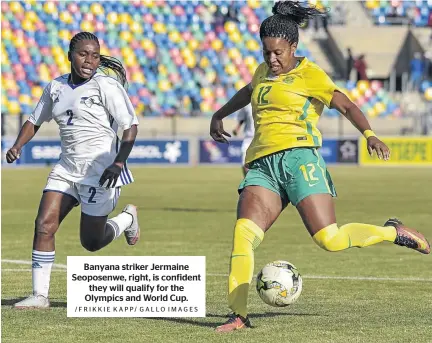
42, 262
120, 223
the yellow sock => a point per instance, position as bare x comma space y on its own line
358, 235
247, 237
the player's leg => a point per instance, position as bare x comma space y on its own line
312, 194
317, 212
96, 230
259, 205
53, 208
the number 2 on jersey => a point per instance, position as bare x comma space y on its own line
262, 94
92, 190
70, 114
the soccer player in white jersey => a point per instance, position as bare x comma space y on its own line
88, 107
245, 118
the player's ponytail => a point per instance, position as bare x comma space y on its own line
107, 63
287, 16
110, 63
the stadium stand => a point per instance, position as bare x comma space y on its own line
395, 12
182, 57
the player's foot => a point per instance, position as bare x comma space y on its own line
235, 322
409, 238
132, 233
33, 301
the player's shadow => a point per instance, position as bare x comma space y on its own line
199, 322
183, 321
269, 314
197, 210
11, 302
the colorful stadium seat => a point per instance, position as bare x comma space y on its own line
385, 12
180, 55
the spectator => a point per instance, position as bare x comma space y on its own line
349, 64
417, 68
360, 66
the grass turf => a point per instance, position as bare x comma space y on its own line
191, 211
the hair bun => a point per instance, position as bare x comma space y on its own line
283, 8
295, 11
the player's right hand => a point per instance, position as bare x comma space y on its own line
111, 174
13, 154
217, 131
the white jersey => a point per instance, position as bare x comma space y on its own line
88, 116
245, 114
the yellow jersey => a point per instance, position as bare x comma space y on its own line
286, 108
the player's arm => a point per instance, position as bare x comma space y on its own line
120, 107
350, 110
42, 113
112, 173
127, 143
237, 102
27, 132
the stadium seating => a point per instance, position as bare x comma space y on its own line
385, 12
181, 57
371, 98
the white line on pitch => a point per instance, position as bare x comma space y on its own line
360, 278
312, 277
28, 270
55, 265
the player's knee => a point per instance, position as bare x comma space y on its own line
91, 245
45, 227
327, 238
328, 246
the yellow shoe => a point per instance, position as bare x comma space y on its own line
409, 238
235, 322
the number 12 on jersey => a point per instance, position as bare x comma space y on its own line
262, 94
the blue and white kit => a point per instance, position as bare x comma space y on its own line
88, 116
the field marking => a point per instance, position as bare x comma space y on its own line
23, 262
29, 270
312, 277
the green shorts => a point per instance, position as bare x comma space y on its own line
293, 174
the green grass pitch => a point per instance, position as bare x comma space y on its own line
195, 209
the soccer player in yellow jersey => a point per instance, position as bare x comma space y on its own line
288, 95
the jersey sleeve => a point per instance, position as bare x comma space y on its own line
43, 111
120, 106
260, 73
320, 86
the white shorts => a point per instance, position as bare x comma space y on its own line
95, 201
245, 145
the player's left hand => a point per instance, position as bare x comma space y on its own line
111, 174
217, 131
382, 150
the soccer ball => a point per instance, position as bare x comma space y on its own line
279, 284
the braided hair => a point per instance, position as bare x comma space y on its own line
286, 18
106, 62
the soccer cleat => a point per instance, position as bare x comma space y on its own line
132, 233
33, 301
408, 237
235, 322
